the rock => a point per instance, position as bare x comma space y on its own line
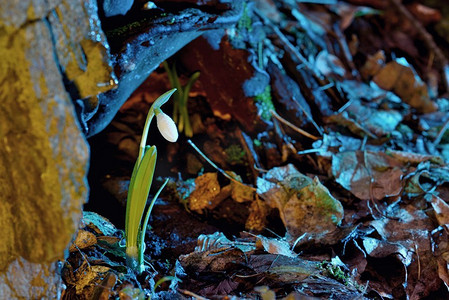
44, 156
39, 281
116, 7
83, 54
142, 45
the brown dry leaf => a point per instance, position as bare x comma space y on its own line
441, 209
443, 270
424, 14
212, 261
373, 64
105, 290
305, 205
258, 212
402, 81
367, 175
89, 277
206, 189
241, 193
413, 158
275, 246
403, 242
84, 239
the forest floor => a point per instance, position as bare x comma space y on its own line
311, 162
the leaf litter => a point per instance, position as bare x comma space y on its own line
359, 211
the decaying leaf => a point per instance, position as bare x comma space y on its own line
275, 246
402, 80
441, 209
84, 239
367, 175
305, 205
404, 241
258, 212
217, 240
363, 120
206, 189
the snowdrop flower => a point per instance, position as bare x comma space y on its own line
166, 126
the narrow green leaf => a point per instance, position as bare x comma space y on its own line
145, 224
138, 194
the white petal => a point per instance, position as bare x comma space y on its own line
167, 127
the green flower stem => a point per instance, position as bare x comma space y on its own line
139, 188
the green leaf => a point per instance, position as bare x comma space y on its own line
145, 224
139, 189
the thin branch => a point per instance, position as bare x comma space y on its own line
217, 167
192, 294
295, 128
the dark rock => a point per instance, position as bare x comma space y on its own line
140, 46
116, 7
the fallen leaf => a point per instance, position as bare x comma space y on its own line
403, 81
206, 189
84, 239
275, 246
441, 209
367, 175
304, 205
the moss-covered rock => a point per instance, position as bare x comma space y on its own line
44, 155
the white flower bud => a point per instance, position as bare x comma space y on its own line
166, 126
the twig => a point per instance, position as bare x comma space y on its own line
217, 167
192, 294
251, 154
441, 133
297, 129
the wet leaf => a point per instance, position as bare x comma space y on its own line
275, 246
367, 175
305, 205
441, 209
206, 189
84, 239
402, 80
217, 240
363, 120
